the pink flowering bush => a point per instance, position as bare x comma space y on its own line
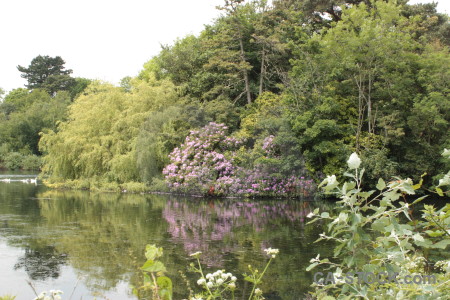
201, 161
205, 164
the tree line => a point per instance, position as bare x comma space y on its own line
316, 79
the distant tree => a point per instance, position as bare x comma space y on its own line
78, 87
47, 73
2, 92
17, 98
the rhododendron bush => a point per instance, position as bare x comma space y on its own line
206, 164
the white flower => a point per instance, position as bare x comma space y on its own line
331, 179
272, 252
354, 161
315, 259
232, 285
233, 278
310, 215
219, 281
201, 281
195, 254
210, 284
225, 276
209, 276
258, 292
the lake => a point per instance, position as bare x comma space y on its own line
90, 245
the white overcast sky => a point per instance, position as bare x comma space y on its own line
99, 39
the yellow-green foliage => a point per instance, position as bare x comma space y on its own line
99, 138
263, 114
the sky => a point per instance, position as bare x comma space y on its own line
99, 39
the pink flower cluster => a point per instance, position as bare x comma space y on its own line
204, 164
199, 161
259, 182
268, 145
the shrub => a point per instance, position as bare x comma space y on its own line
374, 232
13, 160
31, 162
208, 163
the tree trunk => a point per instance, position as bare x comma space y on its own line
246, 80
263, 71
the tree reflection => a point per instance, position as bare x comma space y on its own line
102, 236
199, 225
41, 262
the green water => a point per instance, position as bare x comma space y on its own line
91, 245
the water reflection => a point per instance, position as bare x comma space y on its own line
199, 225
100, 238
41, 263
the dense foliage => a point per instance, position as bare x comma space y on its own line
26, 113
300, 85
376, 232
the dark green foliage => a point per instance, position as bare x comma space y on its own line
13, 160
367, 84
26, 114
157, 138
16, 160
429, 24
47, 73
79, 85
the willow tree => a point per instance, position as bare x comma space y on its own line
99, 138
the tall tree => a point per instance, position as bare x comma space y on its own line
47, 73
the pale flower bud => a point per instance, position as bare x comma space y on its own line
331, 179
354, 161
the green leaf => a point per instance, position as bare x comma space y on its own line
426, 243
442, 244
311, 266
165, 285
419, 185
153, 266
440, 192
381, 224
164, 282
152, 252
381, 184
436, 233
249, 279
325, 215
419, 199
418, 237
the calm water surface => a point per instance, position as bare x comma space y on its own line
90, 245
